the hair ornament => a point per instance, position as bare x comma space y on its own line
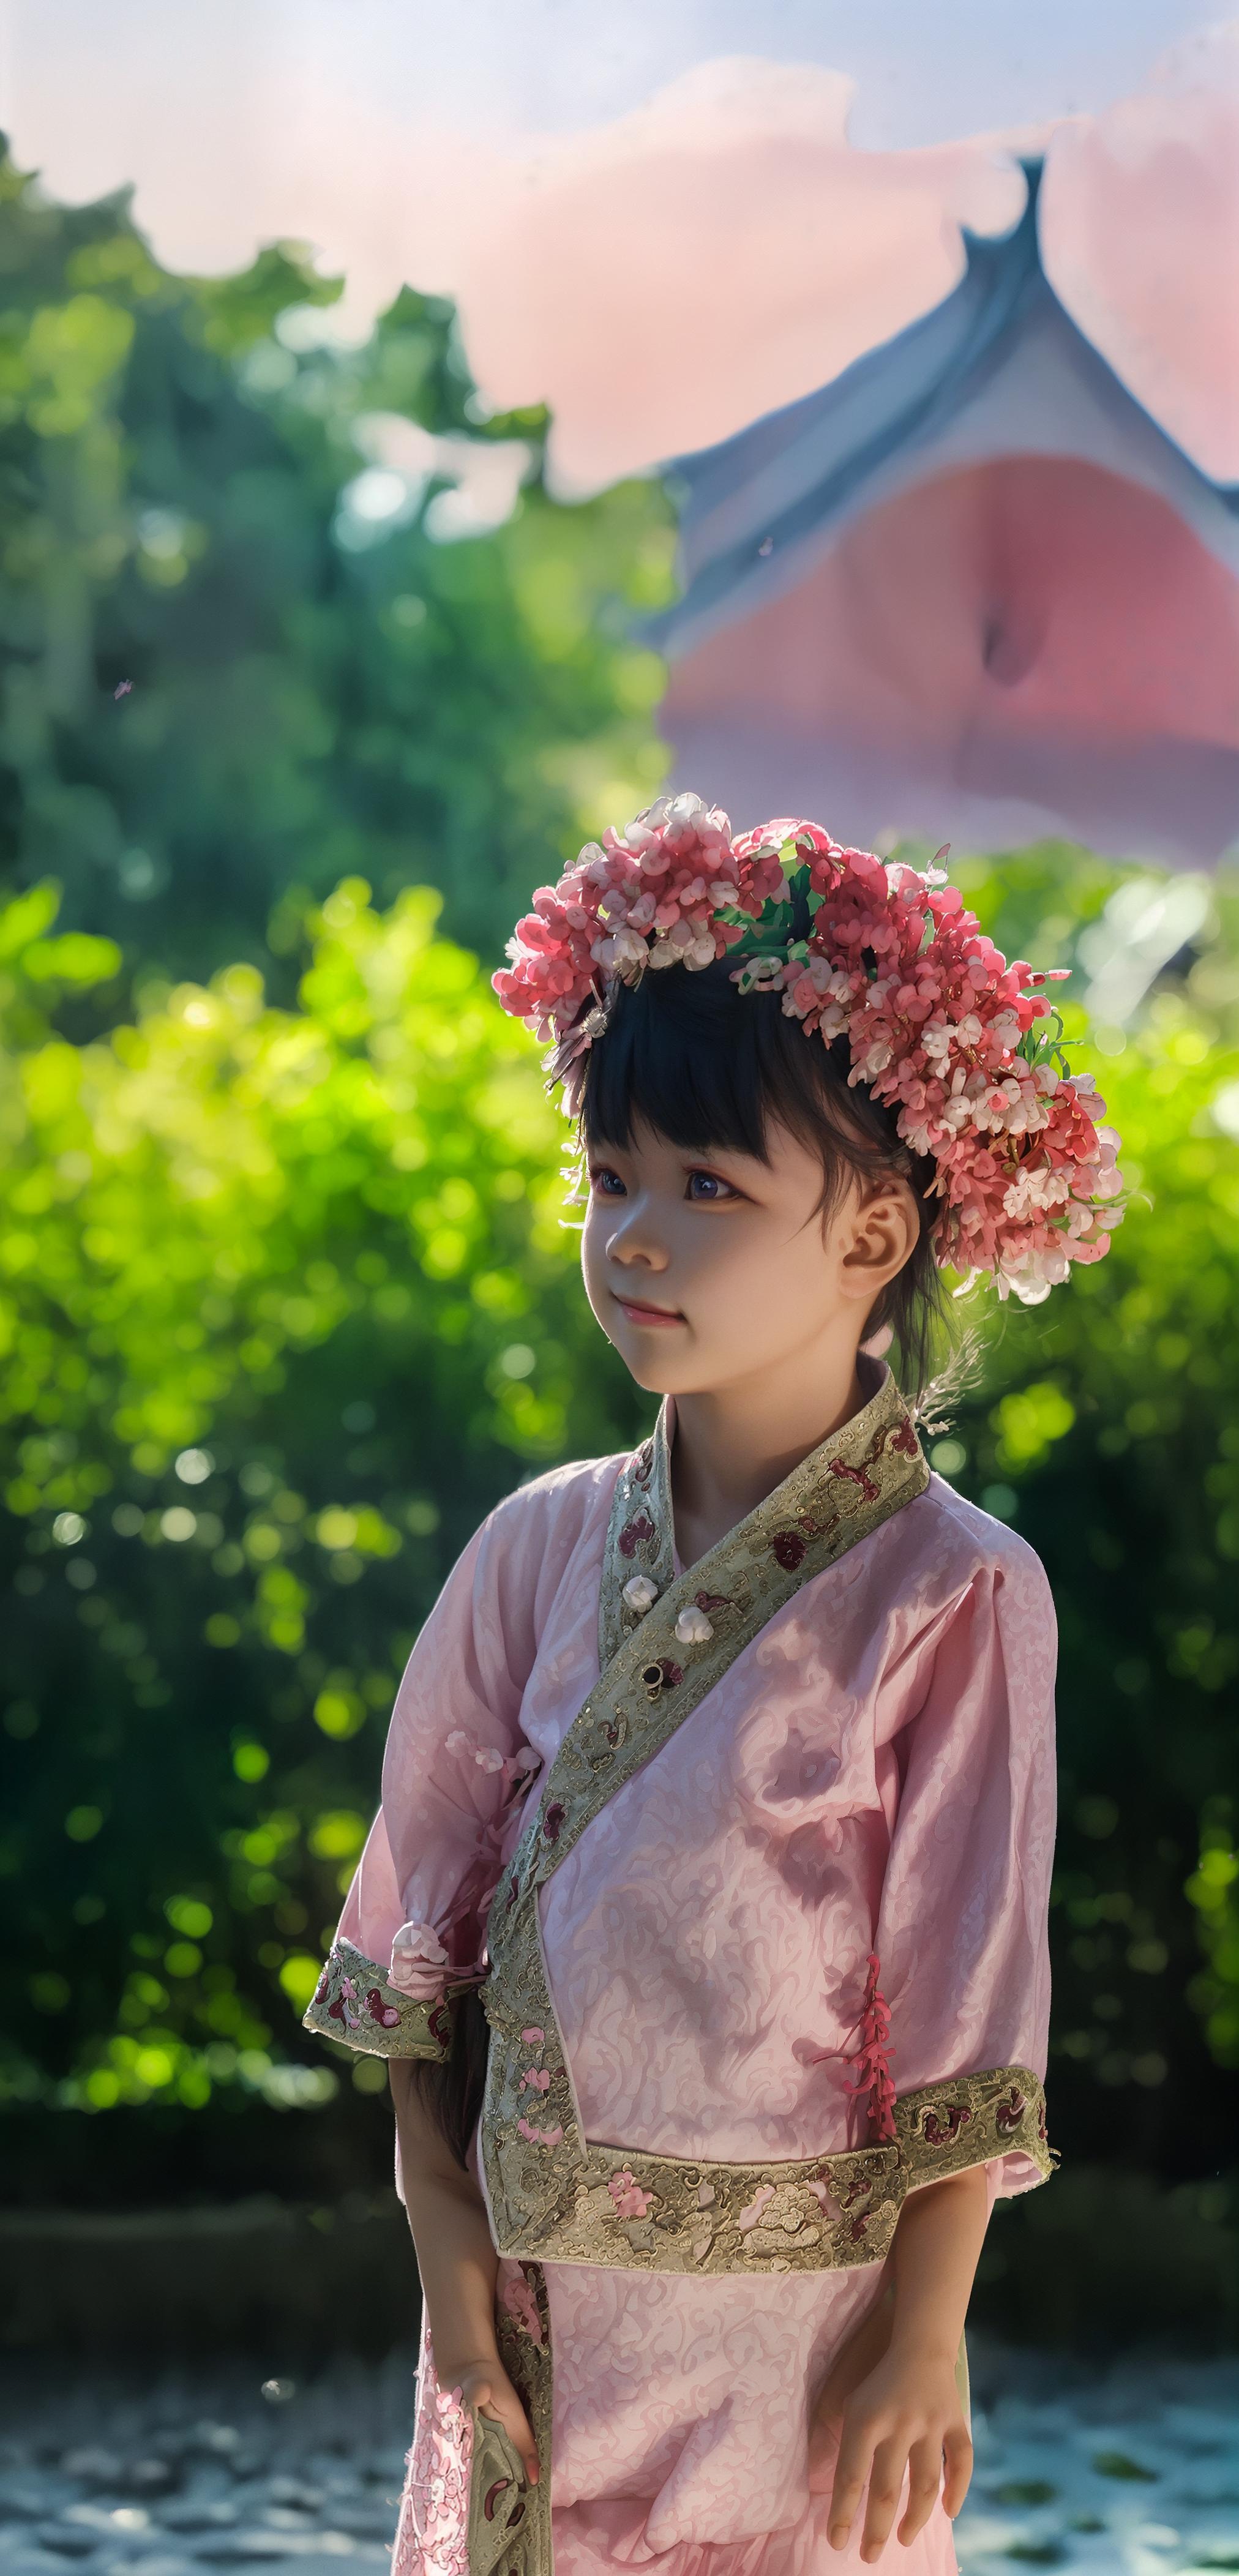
964, 1049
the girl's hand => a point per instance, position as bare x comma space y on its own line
905, 2415
459, 2268
860, 2353
486, 2386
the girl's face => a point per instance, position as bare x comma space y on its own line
707, 1269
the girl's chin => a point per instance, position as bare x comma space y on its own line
649, 1359
667, 1372
655, 1381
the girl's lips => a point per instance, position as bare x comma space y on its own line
638, 1313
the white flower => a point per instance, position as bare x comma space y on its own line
1032, 1277
640, 1594
624, 951
692, 1628
701, 952
1031, 1190
685, 811
936, 1038
875, 1059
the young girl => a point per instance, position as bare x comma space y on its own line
723, 1773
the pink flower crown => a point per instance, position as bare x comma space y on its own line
938, 1026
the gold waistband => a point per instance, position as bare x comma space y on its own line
554, 2200
629, 2211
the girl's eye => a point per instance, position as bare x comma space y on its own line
606, 1182
709, 1185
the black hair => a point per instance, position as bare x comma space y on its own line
707, 1066
451, 2092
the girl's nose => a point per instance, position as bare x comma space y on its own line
635, 1238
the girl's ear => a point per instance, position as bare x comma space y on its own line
880, 1236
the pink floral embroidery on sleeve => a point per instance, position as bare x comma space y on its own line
516, 2296
630, 2201
433, 2529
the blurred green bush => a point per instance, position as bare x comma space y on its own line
1107, 1426
246, 643
287, 1302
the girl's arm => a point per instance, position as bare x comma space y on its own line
905, 2412
458, 2265
961, 1930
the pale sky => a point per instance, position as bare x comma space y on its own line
241, 119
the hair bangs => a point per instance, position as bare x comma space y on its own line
686, 1063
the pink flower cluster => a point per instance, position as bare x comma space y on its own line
644, 897
937, 1025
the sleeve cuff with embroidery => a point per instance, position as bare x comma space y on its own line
969, 2120
356, 2002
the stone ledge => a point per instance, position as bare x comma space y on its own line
251, 2275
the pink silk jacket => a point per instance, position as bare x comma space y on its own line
795, 1931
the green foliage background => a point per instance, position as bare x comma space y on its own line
305, 692
286, 1297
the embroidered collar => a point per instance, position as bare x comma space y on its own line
640, 1563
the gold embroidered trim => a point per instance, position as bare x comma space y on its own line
644, 2213
355, 2003
497, 2495
534, 2154
663, 2214
640, 1539
946, 2128
526, 2357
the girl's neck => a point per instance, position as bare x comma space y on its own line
733, 1445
